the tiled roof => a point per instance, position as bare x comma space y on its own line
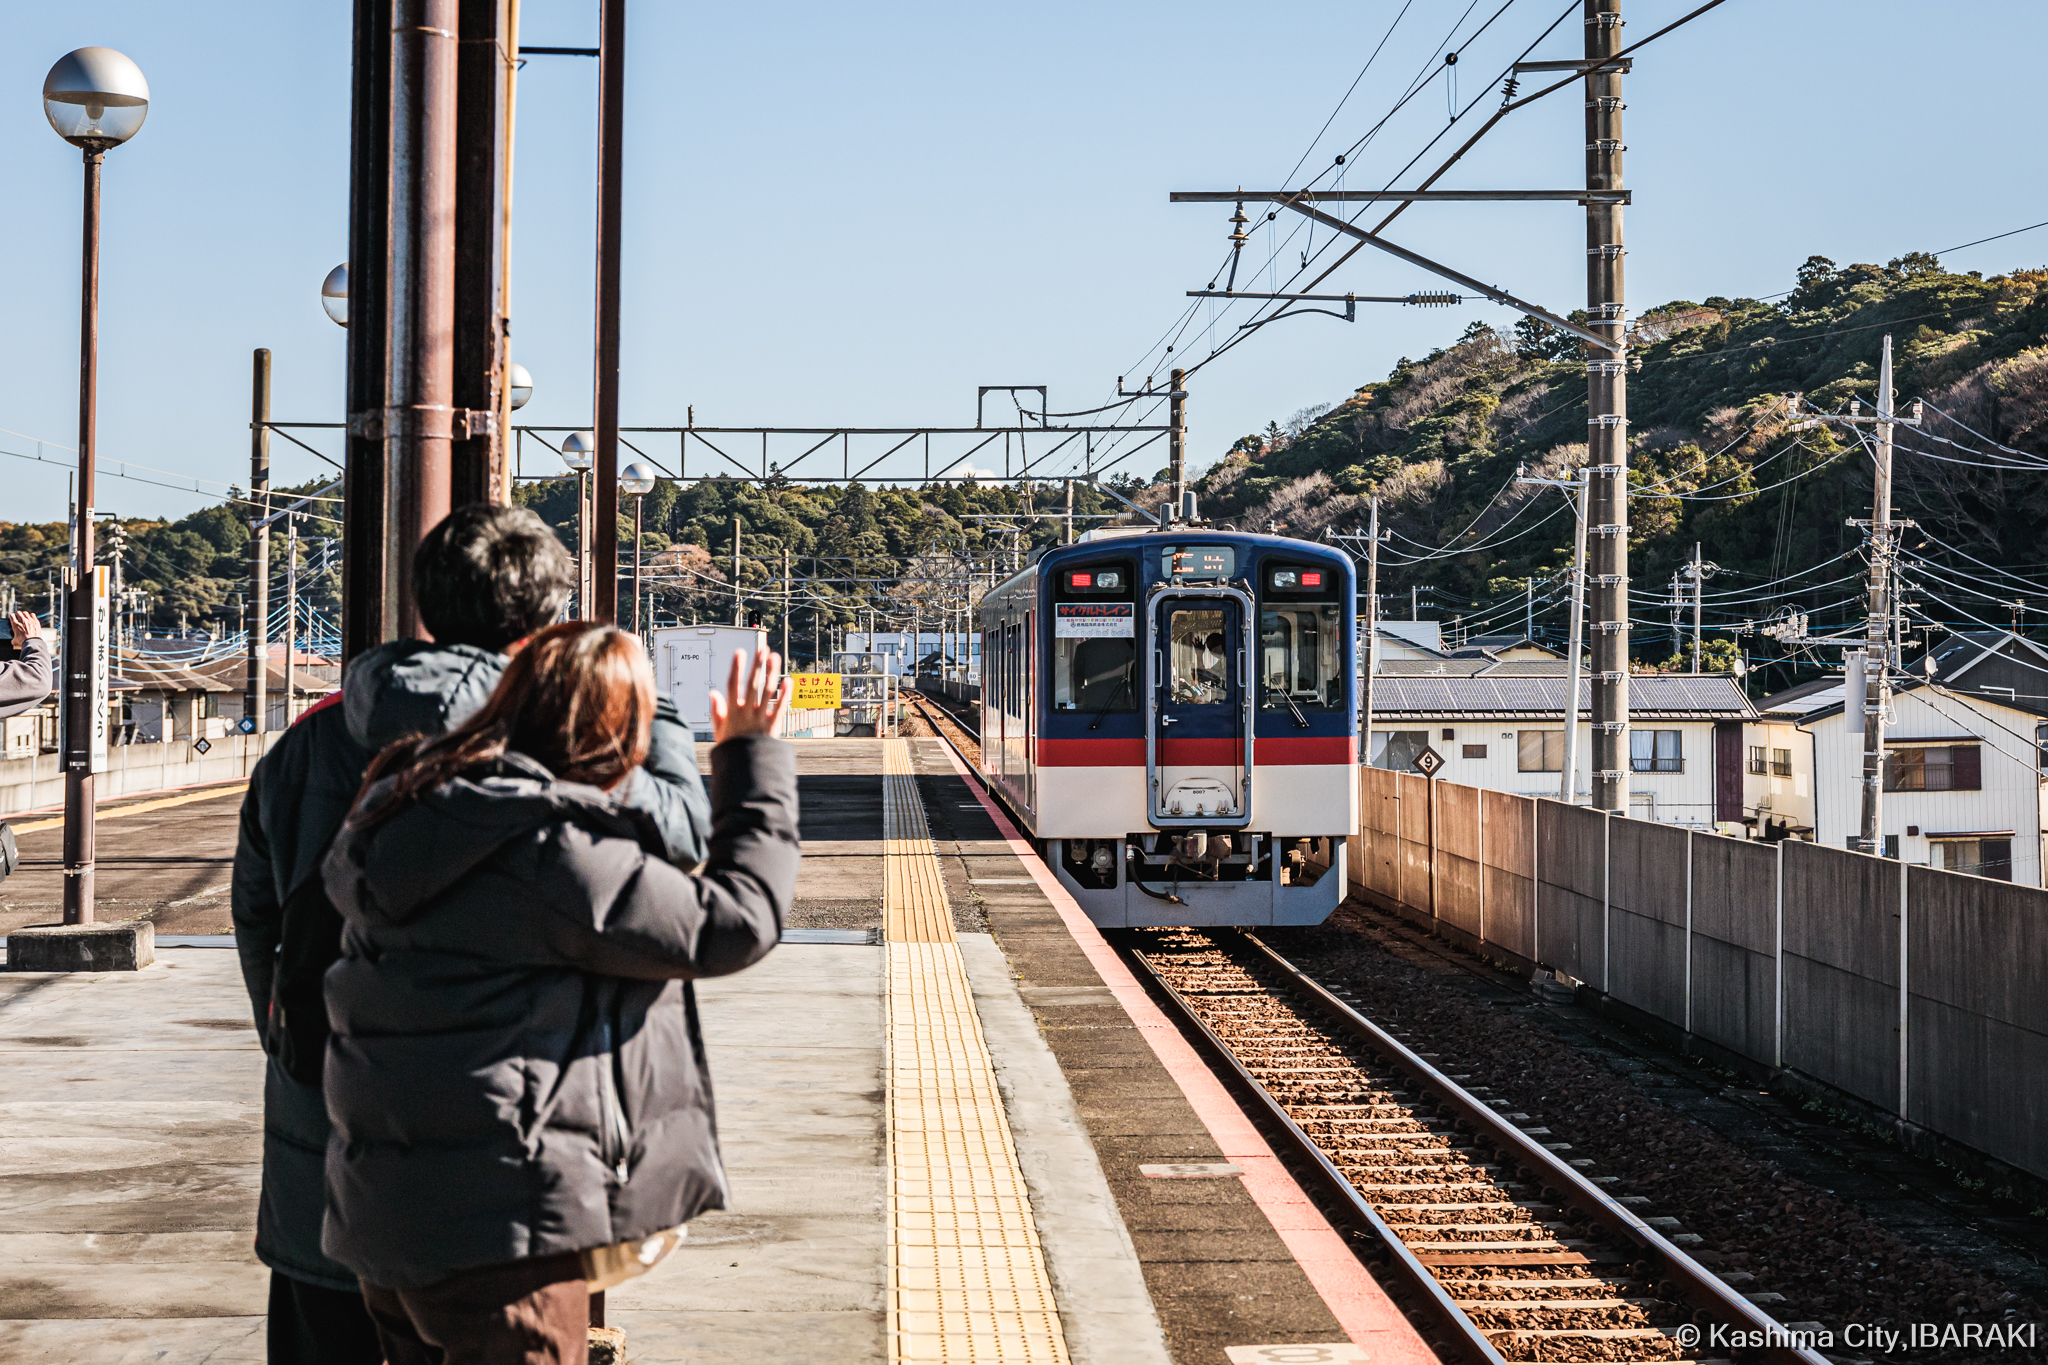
1661, 696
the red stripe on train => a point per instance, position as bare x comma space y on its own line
1281, 751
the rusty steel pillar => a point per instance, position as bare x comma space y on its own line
482, 336
604, 470
368, 607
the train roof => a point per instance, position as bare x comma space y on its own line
1125, 539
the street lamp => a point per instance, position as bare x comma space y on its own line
520, 383
334, 294
577, 453
637, 479
95, 98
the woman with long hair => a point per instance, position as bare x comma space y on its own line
522, 1113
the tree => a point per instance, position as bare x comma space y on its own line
1816, 284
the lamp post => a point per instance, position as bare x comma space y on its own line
637, 479
334, 294
576, 453
520, 383
95, 98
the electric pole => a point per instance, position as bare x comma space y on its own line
291, 612
1372, 627
254, 702
1177, 441
1067, 537
1699, 592
739, 617
788, 604
1569, 781
1607, 411
1529, 608
1876, 625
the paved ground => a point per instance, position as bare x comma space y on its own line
165, 858
130, 1123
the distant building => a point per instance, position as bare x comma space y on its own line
1507, 733
1965, 749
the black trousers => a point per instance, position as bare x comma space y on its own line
310, 1325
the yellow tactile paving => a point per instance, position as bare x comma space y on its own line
967, 1278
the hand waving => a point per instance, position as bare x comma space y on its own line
23, 625
753, 698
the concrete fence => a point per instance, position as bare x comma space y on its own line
1918, 992
37, 782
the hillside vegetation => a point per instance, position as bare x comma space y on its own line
1711, 460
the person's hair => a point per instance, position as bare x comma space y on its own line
578, 698
487, 576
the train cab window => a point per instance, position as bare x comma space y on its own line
1300, 638
1197, 666
1095, 654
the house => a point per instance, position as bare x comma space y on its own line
1507, 733
313, 677
162, 700
1964, 742
1509, 649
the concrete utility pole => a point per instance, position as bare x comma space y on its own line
1371, 649
1177, 441
788, 604
1607, 413
1067, 537
1876, 691
1529, 608
291, 614
738, 599
1568, 783
1699, 592
254, 703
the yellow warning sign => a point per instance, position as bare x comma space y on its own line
814, 691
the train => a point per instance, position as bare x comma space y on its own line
1172, 715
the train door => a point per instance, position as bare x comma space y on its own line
1200, 725
1029, 758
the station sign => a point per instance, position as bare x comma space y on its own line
1094, 621
814, 691
1428, 762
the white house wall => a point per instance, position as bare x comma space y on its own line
2010, 797
1682, 798
1789, 799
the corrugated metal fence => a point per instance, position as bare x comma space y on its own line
1789, 954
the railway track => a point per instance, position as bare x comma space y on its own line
1511, 1247
1513, 1250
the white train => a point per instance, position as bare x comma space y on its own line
1173, 716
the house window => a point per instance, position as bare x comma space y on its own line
1781, 762
1978, 857
1475, 751
1756, 758
1655, 751
209, 706
1539, 751
2041, 743
1935, 768
1397, 749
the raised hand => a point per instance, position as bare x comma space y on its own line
753, 698
23, 624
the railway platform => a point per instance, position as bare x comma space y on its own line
956, 1127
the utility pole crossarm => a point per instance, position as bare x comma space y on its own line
1403, 196
1501, 296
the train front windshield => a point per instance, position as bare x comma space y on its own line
1300, 639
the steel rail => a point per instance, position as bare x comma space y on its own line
1695, 1283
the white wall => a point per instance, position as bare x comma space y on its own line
1782, 798
1684, 798
38, 783
2009, 799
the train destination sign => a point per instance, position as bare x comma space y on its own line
1200, 561
1094, 621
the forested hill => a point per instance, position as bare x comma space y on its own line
1712, 459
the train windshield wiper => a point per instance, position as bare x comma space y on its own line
1299, 719
1096, 724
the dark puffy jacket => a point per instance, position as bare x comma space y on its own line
298, 797
515, 1068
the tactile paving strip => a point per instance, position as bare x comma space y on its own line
967, 1277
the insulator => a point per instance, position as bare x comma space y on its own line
1436, 300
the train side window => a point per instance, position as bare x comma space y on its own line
1298, 657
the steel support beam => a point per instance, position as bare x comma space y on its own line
603, 604
369, 614
478, 465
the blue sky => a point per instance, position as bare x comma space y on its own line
856, 214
